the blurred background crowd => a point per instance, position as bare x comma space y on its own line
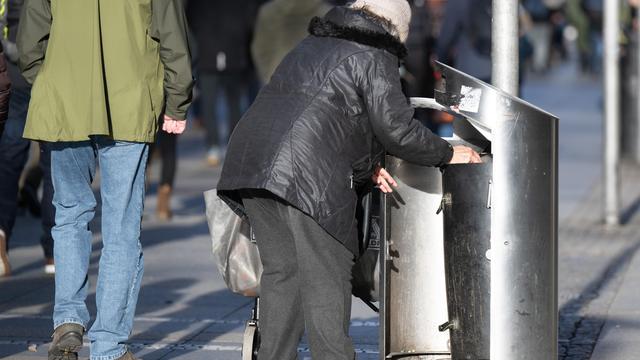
238, 44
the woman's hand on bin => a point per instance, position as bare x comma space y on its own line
464, 155
383, 180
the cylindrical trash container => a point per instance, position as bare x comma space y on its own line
415, 291
524, 214
516, 216
466, 207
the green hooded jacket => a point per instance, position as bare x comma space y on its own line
104, 67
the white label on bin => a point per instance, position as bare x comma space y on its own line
470, 101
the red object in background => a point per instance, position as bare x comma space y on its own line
437, 75
444, 118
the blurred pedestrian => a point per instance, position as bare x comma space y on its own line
14, 152
280, 26
5, 89
103, 72
540, 33
314, 136
465, 40
223, 31
577, 17
558, 23
166, 146
418, 78
594, 10
465, 37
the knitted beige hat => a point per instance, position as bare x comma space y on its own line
398, 12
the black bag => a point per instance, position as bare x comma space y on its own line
365, 274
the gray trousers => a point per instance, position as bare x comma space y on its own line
305, 284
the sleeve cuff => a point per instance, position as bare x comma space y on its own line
449, 154
176, 114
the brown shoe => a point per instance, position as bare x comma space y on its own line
67, 341
127, 356
163, 211
5, 267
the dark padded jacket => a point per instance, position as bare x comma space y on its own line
320, 126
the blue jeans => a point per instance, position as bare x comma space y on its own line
73, 167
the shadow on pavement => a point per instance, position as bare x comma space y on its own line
571, 311
628, 214
184, 330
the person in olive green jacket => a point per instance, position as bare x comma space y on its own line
103, 73
280, 26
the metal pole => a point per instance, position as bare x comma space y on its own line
504, 56
504, 52
523, 262
612, 112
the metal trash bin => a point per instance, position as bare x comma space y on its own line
414, 299
466, 205
523, 319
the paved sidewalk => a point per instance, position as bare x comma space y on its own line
185, 311
596, 268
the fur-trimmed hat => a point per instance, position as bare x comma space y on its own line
397, 12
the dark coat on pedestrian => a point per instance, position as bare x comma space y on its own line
223, 31
317, 130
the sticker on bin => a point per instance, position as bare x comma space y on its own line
470, 101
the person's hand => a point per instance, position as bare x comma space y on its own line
464, 155
173, 126
383, 180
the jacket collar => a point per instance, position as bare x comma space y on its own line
357, 26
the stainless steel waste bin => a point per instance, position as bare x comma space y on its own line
413, 284
524, 215
466, 205
523, 142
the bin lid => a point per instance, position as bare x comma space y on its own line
480, 103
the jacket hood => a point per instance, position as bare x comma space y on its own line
357, 26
